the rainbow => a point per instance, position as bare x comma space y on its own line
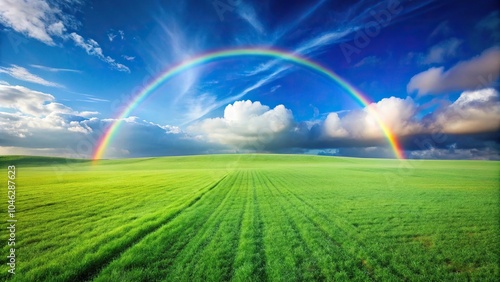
111, 131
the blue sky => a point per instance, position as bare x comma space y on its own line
430, 67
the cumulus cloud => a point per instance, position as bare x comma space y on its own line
251, 125
475, 73
472, 112
23, 74
397, 114
332, 126
34, 123
45, 21
41, 125
246, 122
31, 17
36, 110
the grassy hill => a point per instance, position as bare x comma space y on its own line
253, 218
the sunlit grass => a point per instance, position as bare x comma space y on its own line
255, 218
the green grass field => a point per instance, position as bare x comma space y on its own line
253, 218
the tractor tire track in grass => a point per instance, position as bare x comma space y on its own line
347, 232
160, 249
77, 238
302, 265
250, 261
209, 256
94, 267
173, 250
320, 240
270, 218
333, 260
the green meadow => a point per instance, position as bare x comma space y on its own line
253, 218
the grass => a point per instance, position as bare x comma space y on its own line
254, 218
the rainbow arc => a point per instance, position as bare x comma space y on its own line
107, 137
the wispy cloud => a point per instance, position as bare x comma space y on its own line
248, 13
293, 25
128, 58
181, 46
45, 68
111, 36
195, 113
93, 100
351, 21
442, 51
93, 48
368, 61
23, 74
45, 21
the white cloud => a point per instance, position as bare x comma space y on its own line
36, 123
45, 68
246, 122
23, 74
57, 29
248, 13
473, 111
29, 102
397, 114
128, 58
111, 36
197, 107
36, 111
442, 51
93, 48
332, 126
475, 73
43, 21
30, 17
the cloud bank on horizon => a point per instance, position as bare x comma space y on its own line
432, 69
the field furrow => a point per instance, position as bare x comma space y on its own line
161, 251
282, 234
355, 253
334, 261
102, 233
210, 255
256, 218
250, 261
